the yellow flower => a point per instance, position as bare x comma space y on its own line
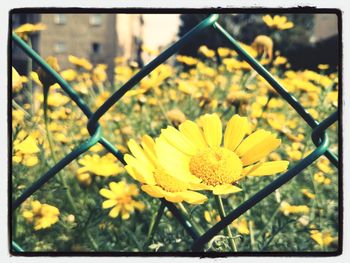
27, 146
42, 215
324, 165
206, 51
103, 166
263, 45
241, 225
280, 60
332, 97
17, 80
322, 238
287, 209
195, 151
120, 197
69, 74
319, 177
26, 29
143, 166
80, 62
323, 66
176, 116
308, 194
190, 61
55, 99
224, 52
99, 74
278, 22
35, 77
25, 150
84, 178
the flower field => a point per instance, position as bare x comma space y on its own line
205, 133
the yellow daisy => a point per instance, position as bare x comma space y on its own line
120, 197
144, 167
195, 151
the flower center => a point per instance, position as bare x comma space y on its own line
169, 183
216, 166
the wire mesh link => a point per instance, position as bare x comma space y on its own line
319, 135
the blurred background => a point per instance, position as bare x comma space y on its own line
101, 38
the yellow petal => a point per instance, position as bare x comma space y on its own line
260, 150
267, 168
212, 128
192, 197
225, 189
178, 140
117, 188
192, 132
171, 159
251, 141
125, 215
114, 212
137, 151
109, 203
27, 146
148, 147
153, 190
141, 171
31, 161
173, 197
268, 20
107, 193
237, 127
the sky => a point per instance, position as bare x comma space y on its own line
160, 29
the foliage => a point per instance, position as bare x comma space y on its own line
300, 216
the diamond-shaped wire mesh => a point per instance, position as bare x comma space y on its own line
319, 135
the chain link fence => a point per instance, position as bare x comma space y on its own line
319, 135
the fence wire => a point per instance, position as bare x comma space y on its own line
319, 135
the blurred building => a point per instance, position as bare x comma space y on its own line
97, 37
91, 36
325, 26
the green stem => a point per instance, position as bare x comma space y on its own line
187, 216
154, 224
53, 154
222, 213
30, 82
251, 233
92, 240
19, 107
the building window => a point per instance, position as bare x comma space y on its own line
95, 20
59, 47
60, 19
96, 48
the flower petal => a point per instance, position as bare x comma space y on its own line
107, 193
225, 189
153, 190
192, 197
260, 150
109, 203
114, 212
173, 197
174, 162
139, 154
237, 127
249, 142
141, 171
212, 128
148, 147
179, 141
267, 168
192, 132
